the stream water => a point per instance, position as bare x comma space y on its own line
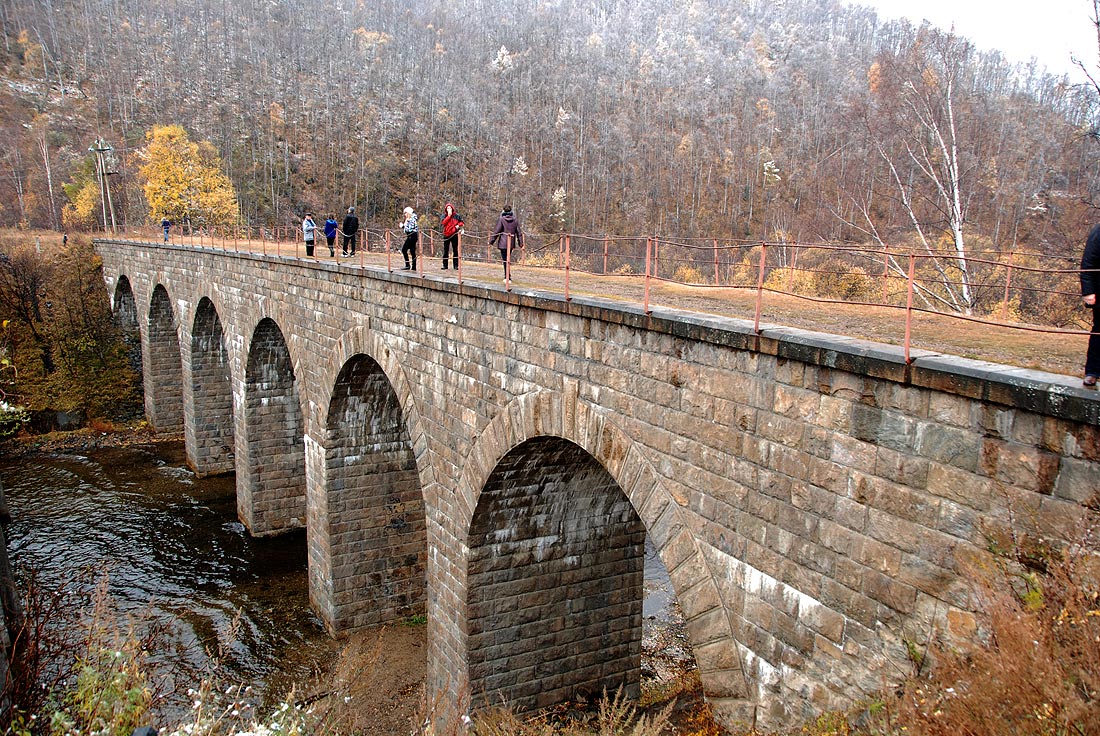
177, 558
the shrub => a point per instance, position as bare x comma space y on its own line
688, 275
1036, 666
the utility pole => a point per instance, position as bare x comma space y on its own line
102, 148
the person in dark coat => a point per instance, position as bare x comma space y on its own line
507, 236
1090, 288
350, 228
452, 225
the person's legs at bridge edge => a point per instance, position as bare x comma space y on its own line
450, 245
1092, 357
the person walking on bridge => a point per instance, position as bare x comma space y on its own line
452, 225
1090, 289
309, 233
349, 228
507, 236
330, 234
412, 235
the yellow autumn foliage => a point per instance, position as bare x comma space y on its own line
183, 180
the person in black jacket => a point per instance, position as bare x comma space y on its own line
1090, 286
350, 228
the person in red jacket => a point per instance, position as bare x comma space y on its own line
452, 225
1090, 289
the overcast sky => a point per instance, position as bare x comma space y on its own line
1049, 30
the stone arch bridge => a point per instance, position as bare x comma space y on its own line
497, 459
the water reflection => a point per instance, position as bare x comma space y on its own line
175, 555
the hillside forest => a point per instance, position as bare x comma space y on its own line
777, 120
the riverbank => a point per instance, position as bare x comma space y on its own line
87, 439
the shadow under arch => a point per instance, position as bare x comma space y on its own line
124, 305
163, 377
124, 313
210, 438
367, 494
553, 422
270, 464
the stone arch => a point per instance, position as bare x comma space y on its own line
367, 521
375, 509
210, 441
163, 379
125, 315
566, 417
270, 463
554, 580
125, 305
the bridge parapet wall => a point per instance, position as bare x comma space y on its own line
814, 498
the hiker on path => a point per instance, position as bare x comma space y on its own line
412, 235
349, 228
507, 236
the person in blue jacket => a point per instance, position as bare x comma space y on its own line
330, 234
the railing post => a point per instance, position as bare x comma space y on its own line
508, 262
648, 259
431, 245
716, 280
909, 307
1008, 286
885, 274
389, 252
566, 268
759, 287
461, 250
656, 255
605, 244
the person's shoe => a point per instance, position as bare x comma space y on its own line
1090, 380
444, 266
344, 254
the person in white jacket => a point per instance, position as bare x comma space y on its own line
412, 235
309, 230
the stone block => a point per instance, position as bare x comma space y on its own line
1079, 481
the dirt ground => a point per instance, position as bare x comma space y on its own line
374, 684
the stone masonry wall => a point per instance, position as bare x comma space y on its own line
274, 477
208, 398
555, 583
814, 498
164, 377
375, 509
